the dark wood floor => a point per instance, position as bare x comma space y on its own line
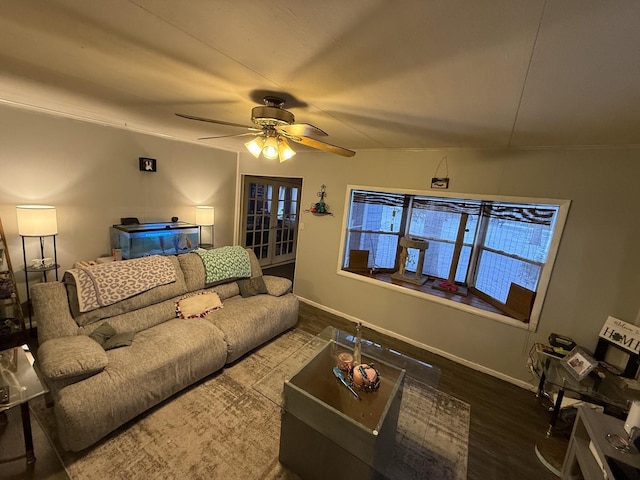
506, 421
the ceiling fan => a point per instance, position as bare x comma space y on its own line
273, 126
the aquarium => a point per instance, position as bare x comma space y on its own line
142, 239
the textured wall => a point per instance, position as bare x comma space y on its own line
90, 173
596, 274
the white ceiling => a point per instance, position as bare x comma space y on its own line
372, 73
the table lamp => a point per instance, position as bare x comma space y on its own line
205, 216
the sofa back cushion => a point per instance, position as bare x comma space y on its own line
194, 273
150, 297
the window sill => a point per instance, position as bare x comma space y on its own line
469, 303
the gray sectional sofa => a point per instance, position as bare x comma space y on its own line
94, 391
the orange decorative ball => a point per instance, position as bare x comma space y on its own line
366, 377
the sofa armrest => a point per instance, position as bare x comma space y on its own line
277, 286
51, 311
67, 357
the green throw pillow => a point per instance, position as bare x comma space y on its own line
103, 333
251, 286
119, 340
108, 338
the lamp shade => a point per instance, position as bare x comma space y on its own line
270, 149
284, 150
37, 220
255, 146
205, 215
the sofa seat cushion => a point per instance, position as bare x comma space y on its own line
249, 322
161, 361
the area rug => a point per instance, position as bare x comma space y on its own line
228, 427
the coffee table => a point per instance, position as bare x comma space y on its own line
422, 371
17, 372
326, 432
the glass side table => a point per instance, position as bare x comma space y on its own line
600, 388
19, 376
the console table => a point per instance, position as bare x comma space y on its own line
589, 440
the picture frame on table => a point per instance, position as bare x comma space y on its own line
579, 363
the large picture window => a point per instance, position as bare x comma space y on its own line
491, 254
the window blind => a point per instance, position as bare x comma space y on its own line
378, 198
517, 213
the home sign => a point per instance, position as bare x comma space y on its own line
624, 335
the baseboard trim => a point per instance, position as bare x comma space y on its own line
454, 358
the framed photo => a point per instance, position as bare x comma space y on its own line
147, 164
440, 183
579, 363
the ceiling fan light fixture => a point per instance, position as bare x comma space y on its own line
270, 149
273, 126
255, 146
284, 150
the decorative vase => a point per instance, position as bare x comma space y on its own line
345, 362
357, 348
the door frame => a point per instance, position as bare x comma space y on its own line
245, 178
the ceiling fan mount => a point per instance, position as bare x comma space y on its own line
272, 113
271, 120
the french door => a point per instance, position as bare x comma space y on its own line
271, 207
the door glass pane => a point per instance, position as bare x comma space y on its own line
272, 206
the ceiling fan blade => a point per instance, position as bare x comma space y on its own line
301, 130
327, 147
219, 122
228, 136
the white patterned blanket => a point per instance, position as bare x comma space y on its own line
225, 263
108, 283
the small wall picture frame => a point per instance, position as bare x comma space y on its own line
440, 182
147, 164
579, 363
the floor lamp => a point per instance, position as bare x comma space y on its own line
205, 217
39, 221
